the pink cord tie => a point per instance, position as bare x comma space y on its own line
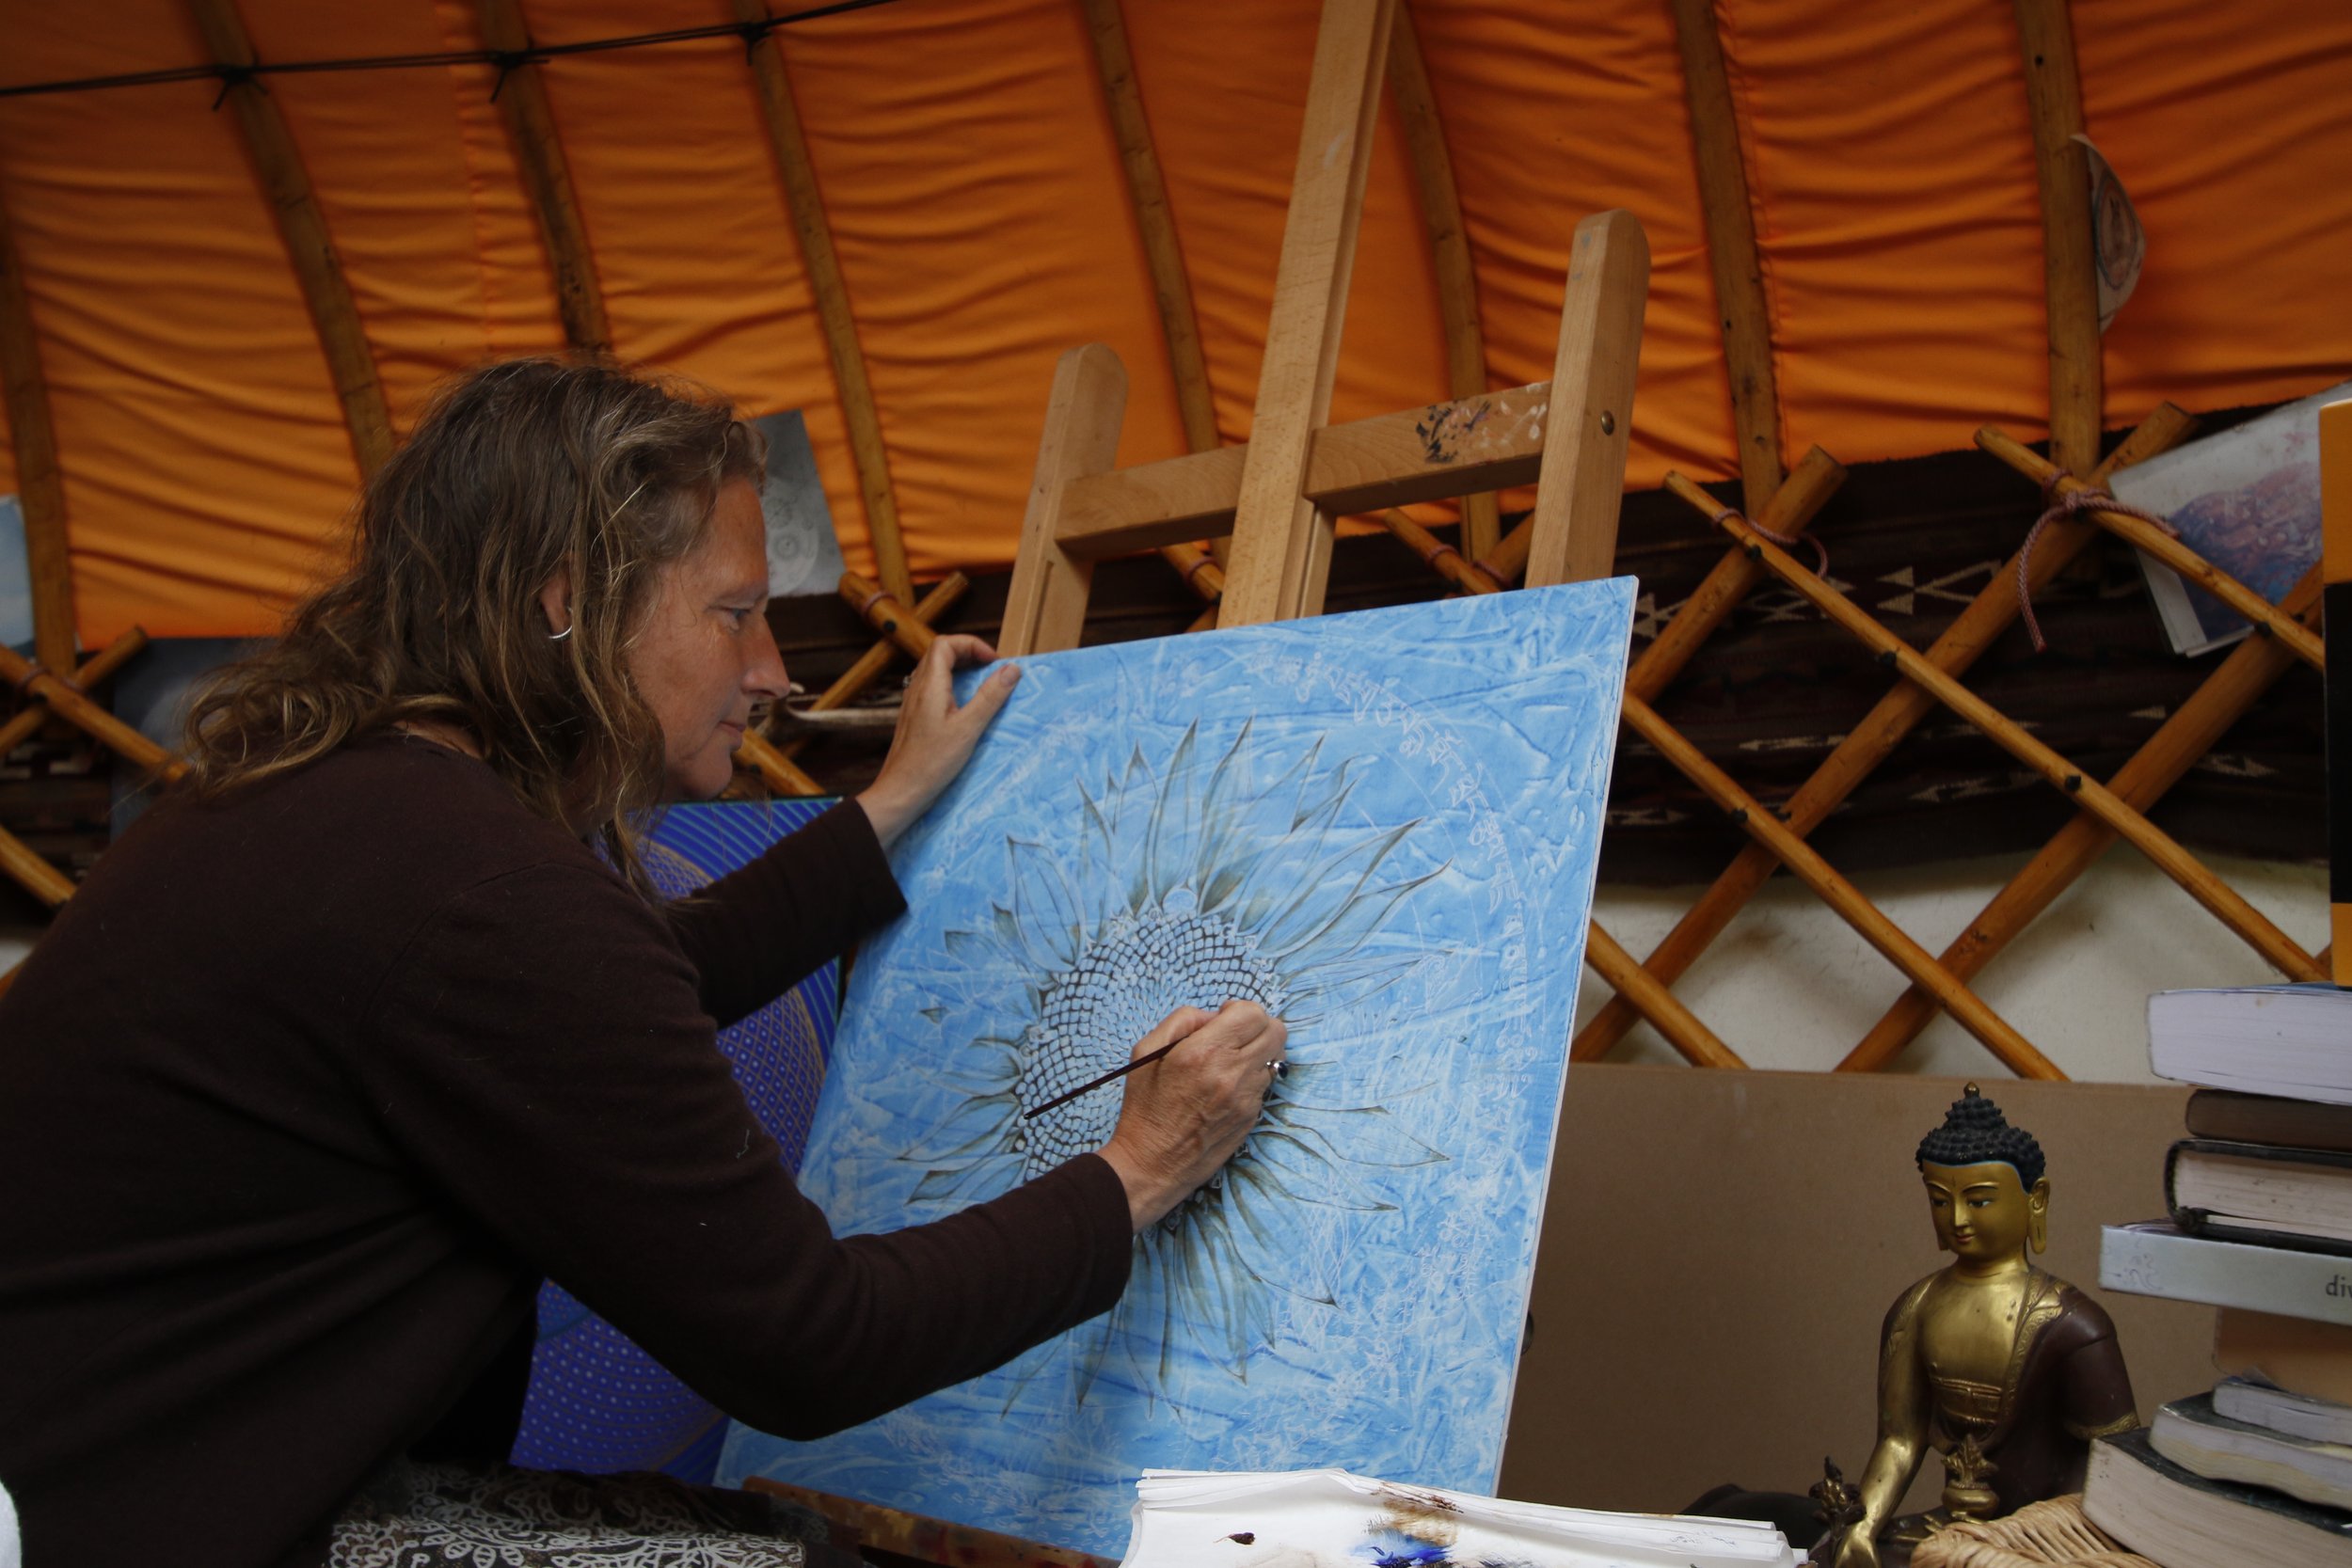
1198, 566
1785, 541
33, 672
2086, 498
876, 596
1501, 584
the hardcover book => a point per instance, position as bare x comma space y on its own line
2261, 1192
2266, 1118
2198, 1437
2282, 1410
2298, 1358
2164, 1511
2159, 1259
2294, 1040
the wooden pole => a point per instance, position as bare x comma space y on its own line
2054, 95
2335, 504
1681, 1027
1171, 286
2139, 532
35, 876
782, 774
823, 267
41, 488
1867, 744
1045, 607
102, 665
309, 246
887, 615
1449, 245
1802, 494
874, 661
522, 97
1757, 819
87, 716
1281, 547
2193, 730
1739, 302
1438, 556
1572, 534
2176, 863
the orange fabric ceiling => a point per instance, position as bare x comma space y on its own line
975, 195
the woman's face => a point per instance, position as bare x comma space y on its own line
705, 653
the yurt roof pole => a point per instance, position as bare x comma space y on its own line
2054, 92
1739, 302
40, 488
1171, 286
522, 98
823, 268
1457, 280
309, 246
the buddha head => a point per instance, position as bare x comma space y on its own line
1985, 1185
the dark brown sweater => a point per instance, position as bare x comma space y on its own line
305, 1090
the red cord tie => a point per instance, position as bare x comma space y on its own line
876, 596
1198, 566
1785, 541
2086, 498
33, 672
1501, 584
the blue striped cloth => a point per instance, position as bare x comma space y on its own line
598, 1402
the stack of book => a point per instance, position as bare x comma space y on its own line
2260, 1193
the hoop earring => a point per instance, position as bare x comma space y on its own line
559, 636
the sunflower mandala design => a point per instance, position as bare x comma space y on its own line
1188, 885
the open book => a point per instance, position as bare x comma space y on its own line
1329, 1518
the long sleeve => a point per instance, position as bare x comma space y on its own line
752, 933
540, 1052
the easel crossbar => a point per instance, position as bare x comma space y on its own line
1470, 444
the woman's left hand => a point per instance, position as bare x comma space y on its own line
935, 737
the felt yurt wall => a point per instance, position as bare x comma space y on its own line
967, 173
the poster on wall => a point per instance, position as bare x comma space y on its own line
2246, 499
1382, 826
804, 552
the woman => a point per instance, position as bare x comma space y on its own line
335, 1056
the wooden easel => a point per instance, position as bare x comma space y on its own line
1280, 496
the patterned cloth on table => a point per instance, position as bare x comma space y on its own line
415, 1515
598, 1402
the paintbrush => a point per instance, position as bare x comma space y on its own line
1094, 1084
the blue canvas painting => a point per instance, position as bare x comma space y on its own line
597, 1401
1384, 827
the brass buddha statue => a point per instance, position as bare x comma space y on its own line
2006, 1371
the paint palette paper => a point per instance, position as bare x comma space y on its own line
1311, 1518
1384, 827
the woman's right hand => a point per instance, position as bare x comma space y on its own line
1186, 1114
